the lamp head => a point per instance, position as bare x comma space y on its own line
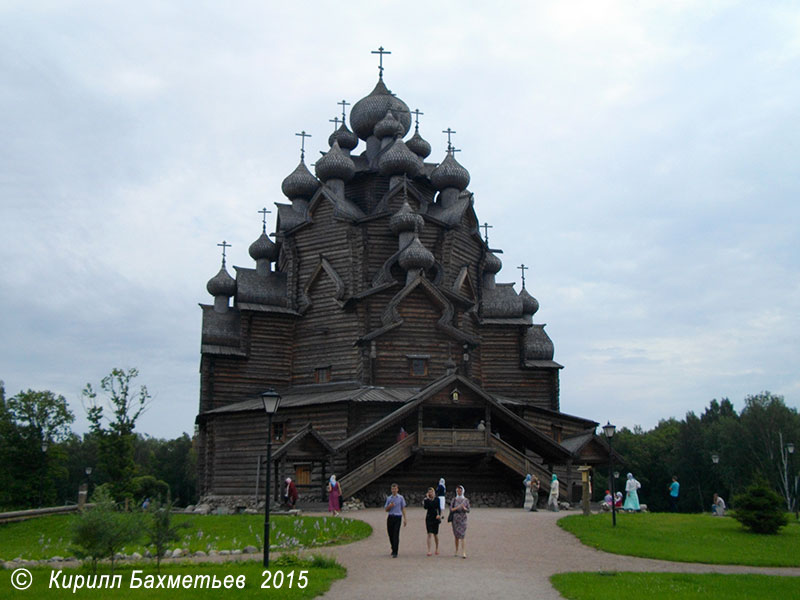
271, 401
609, 429
714, 458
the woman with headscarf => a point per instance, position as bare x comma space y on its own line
631, 494
552, 500
334, 496
290, 494
526, 483
459, 507
441, 490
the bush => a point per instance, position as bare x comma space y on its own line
760, 509
148, 486
160, 531
102, 531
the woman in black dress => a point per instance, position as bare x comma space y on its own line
433, 516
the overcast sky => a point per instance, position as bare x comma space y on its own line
640, 158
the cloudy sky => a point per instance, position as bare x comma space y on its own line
641, 158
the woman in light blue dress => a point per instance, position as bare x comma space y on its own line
632, 496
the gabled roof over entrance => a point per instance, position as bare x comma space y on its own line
306, 432
543, 444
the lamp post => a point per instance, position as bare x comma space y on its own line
609, 430
44, 471
88, 471
271, 401
790, 450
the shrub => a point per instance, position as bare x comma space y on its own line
102, 531
160, 530
760, 509
148, 486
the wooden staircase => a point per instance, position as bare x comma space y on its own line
516, 461
363, 475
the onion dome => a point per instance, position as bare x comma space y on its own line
418, 145
406, 219
450, 174
492, 263
335, 165
399, 160
221, 284
416, 256
538, 345
346, 138
366, 113
263, 247
300, 183
529, 304
388, 127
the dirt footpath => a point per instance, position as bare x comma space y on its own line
511, 554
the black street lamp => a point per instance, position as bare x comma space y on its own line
609, 430
88, 471
790, 450
271, 400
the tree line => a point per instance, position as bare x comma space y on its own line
44, 462
751, 445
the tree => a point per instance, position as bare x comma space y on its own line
759, 509
160, 531
116, 438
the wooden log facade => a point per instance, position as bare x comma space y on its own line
377, 317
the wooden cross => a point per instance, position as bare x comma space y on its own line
523, 268
224, 245
343, 103
486, 227
335, 122
448, 131
381, 52
416, 114
264, 212
303, 135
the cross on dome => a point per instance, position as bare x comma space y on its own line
224, 245
335, 122
449, 132
343, 103
523, 268
416, 112
303, 135
486, 227
381, 52
263, 213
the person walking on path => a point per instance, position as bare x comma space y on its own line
674, 491
396, 507
441, 490
552, 500
631, 494
290, 494
433, 516
459, 507
334, 496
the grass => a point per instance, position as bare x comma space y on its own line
321, 573
669, 586
50, 536
687, 538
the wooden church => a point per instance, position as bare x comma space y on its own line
377, 317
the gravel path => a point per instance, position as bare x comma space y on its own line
511, 554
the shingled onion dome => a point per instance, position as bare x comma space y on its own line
335, 165
529, 304
263, 251
538, 345
491, 266
418, 145
405, 220
388, 127
416, 257
346, 138
367, 112
397, 159
222, 286
450, 174
300, 183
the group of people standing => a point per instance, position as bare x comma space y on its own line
434, 505
531, 484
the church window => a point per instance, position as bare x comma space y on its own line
278, 431
418, 365
322, 375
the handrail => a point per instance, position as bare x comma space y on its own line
377, 465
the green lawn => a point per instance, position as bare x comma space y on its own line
319, 575
669, 586
49, 536
687, 538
